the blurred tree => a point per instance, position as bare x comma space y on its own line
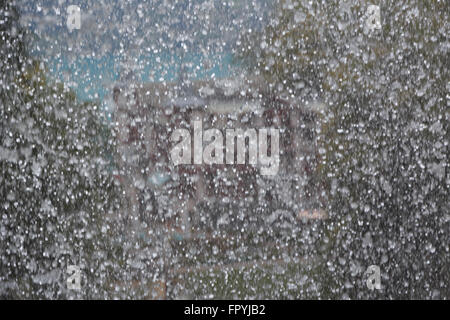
57, 197
384, 140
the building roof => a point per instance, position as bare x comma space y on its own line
223, 96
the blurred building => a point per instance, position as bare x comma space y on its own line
146, 115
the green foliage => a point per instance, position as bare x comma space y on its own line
58, 198
383, 142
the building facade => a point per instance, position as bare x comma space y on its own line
146, 115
